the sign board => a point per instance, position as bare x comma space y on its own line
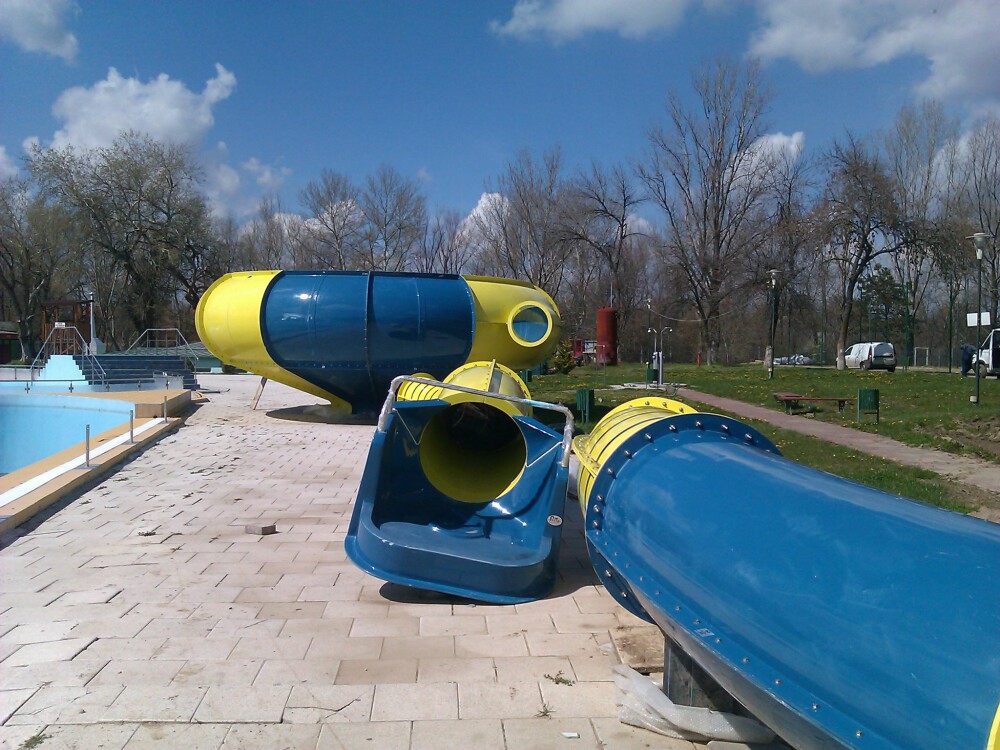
971, 318
59, 324
589, 347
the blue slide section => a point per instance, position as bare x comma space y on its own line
500, 549
840, 615
351, 332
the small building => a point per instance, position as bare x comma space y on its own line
10, 346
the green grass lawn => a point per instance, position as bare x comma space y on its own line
918, 407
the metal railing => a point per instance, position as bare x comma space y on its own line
68, 340
390, 401
167, 338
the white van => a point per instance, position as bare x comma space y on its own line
988, 357
871, 355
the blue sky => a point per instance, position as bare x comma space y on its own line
447, 92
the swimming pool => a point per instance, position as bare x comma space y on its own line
33, 426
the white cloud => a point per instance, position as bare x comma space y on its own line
481, 221
237, 192
265, 175
781, 144
223, 186
7, 166
39, 25
957, 38
163, 108
568, 19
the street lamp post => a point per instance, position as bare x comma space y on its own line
649, 323
979, 239
773, 283
92, 351
861, 311
659, 372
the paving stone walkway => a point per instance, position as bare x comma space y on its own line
143, 615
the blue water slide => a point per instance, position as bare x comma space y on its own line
350, 333
464, 490
842, 616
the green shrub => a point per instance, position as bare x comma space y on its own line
564, 361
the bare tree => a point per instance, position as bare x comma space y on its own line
789, 234
708, 171
446, 246
858, 218
36, 246
604, 220
918, 163
334, 228
265, 242
984, 197
522, 225
395, 216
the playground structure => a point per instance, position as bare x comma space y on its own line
344, 335
840, 615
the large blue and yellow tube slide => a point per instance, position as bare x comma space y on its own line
344, 335
840, 615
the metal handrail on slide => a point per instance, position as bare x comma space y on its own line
390, 401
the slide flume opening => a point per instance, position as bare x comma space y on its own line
472, 452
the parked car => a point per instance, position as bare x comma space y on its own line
871, 355
794, 359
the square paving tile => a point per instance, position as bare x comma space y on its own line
231, 673
87, 736
468, 669
321, 704
11, 700
243, 704
154, 703
376, 671
372, 735
553, 732
482, 734
154, 672
498, 700
583, 699
272, 737
35, 653
297, 672
67, 705
188, 736
416, 702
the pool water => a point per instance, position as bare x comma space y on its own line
33, 426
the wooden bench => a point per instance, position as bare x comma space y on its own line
791, 400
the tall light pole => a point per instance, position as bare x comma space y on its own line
980, 240
861, 310
773, 284
90, 344
659, 376
649, 323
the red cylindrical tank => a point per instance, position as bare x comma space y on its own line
607, 336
